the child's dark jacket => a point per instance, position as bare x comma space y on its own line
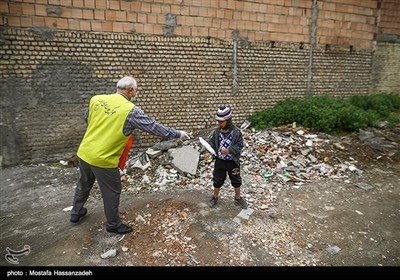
236, 145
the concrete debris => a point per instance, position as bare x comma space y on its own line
376, 142
165, 145
124, 249
363, 186
153, 153
273, 213
271, 161
142, 161
245, 124
185, 160
243, 215
140, 218
67, 209
109, 254
333, 250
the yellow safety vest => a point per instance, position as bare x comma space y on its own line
104, 140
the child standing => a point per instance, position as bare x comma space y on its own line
227, 141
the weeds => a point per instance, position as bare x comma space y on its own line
330, 114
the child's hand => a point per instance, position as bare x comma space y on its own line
225, 151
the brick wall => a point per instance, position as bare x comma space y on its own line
48, 82
385, 75
343, 22
188, 57
389, 19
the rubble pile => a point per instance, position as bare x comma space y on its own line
271, 160
167, 230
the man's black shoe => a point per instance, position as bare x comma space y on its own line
122, 229
76, 218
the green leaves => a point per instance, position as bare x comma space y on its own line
329, 114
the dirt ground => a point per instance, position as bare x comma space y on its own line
327, 222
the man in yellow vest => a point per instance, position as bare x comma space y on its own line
111, 119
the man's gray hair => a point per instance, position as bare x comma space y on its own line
127, 83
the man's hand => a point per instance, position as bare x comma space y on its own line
184, 134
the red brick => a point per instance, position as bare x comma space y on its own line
228, 14
139, 27
53, 2
198, 21
222, 34
110, 15
207, 22
78, 3
13, 20
194, 11
26, 22
216, 23
39, 21
212, 12
266, 37
142, 18
127, 27
50, 22
203, 11
214, 4
182, 31
231, 5
99, 14
146, 7
4, 8
118, 27
131, 17
161, 19
96, 26
158, 29
15, 8
189, 21
152, 18
199, 3
40, 10
73, 24
165, 9
136, 6
121, 16
89, 4
184, 11
101, 4
125, 6
62, 23
87, 14
107, 26
76, 13
246, 16
85, 25
156, 8
114, 5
